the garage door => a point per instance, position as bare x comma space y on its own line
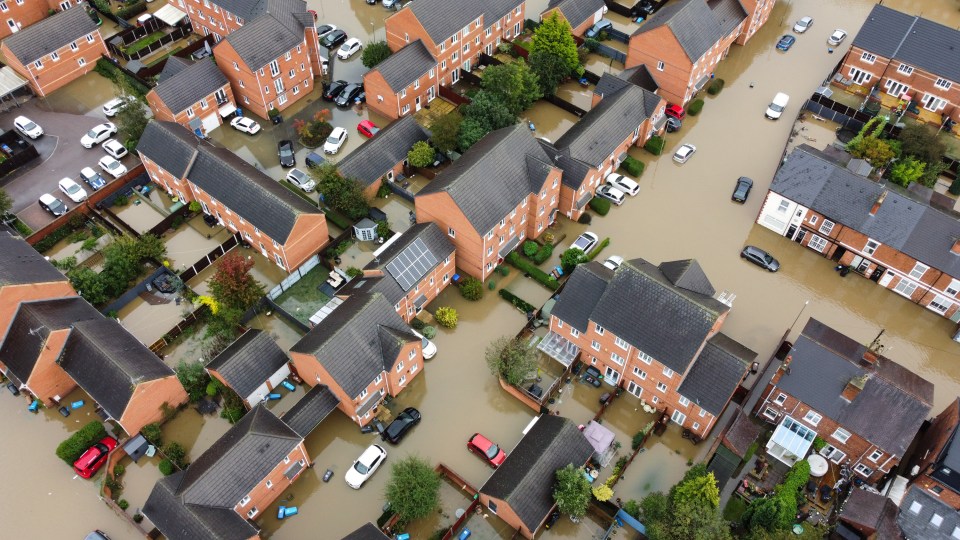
280, 375
211, 122
258, 395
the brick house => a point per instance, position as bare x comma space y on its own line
455, 32
195, 95
232, 484
580, 14
684, 41
252, 366
404, 82
924, 516
758, 11
611, 82
503, 190
905, 58
867, 515
55, 51
597, 144
367, 531
362, 351
382, 157
655, 331
866, 407
19, 14
286, 229
520, 491
937, 458
894, 238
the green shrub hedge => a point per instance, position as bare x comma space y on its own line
596, 251
600, 206
518, 302
75, 445
695, 107
51, 239
109, 70
471, 288
633, 167
715, 87
131, 10
338, 219
539, 275
530, 248
166, 467
655, 145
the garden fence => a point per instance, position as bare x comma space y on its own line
294, 277
208, 259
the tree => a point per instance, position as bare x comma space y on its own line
194, 379
907, 170
413, 490
343, 194
689, 511
571, 491
6, 202
921, 141
485, 114
471, 288
446, 316
510, 359
232, 286
513, 84
877, 151
374, 53
550, 70
554, 37
421, 154
445, 131
570, 258
131, 120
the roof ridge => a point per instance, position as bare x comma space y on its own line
239, 169
906, 35
97, 345
669, 286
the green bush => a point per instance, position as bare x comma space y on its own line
123, 504
152, 433
491, 284
600, 206
417, 324
118, 470
504, 271
530, 248
715, 87
955, 187
537, 274
55, 236
354, 272
543, 253
637, 440
446, 317
75, 445
429, 332
633, 167
517, 302
695, 107
131, 10
337, 218
212, 388
110, 71
572, 257
596, 251
176, 453
166, 467
25, 230
471, 288
655, 145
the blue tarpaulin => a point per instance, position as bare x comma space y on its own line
629, 520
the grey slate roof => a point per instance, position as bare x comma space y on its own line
367, 531
526, 478
249, 361
584, 288
271, 28
639, 75
597, 135
432, 237
357, 341
947, 469
312, 408
109, 363
915, 41
184, 83
872, 511
716, 374
169, 145
177, 521
494, 175
915, 228
442, 18
888, 411
917, 525
48, 35
576, 12
405, 66
697, 26
21, 264
377, 155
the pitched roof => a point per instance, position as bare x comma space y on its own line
249, 361
916, 41
639, 75
442, 18
576, 12
584, 289
743, 431
169, 145
696, 25
494, 175
109, 363
367, 531
916, 525
903, 223
716, 374
271, 28
183, 83
889, 409
381, 153
48, 35
606, 126
525, 480
872, 511
947, 471
178, 521
432, 238
22, 265
405, 66
358, 340
312, 408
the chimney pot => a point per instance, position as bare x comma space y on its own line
877, 203
854, 386
869, 358
956, 246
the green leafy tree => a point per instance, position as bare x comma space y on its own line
513, 84
554, 36
445, 131
343, 194
88, 284
421, 154
374, 53
550, 70
413, 490
510, 359
921, 141
571, 491
570, 258
485, 114
194, 379
907, 170
6, 202
689, 511
877, 151
931, 172
132, 118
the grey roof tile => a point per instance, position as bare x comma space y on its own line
405, 66
917, 525
576, 12
21, 264
696, 25
177, 521
442, 18
173, 66
249, 361
381, 153
183, 83
48, 35
434, 240
169, 145
716, 374
583, 290
639, 75
872, 511
367, 531
270, 35
312, 408
687, 274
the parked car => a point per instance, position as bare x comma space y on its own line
98, 134
349, 48
390, 4
335, 141
623, 184
427, 348
803, 25
484, 447
365, 465
334, 89
786, 42
90, 462
585, 242
673, 124
53, 205
28, 127
285, 152
112, 107
675, 111
72, 190
112, 167
301, 179
114, 148
314, 159
611, 194
777, 106
246, 125
684, 152
367, 128
92, 178
742, 190
613, 262
760, 258
333, 39
348, 95
403, 423
325, 29
837, 37
602, 25
97, 535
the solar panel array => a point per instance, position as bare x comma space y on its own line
411, 264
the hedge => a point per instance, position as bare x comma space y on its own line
655, 145
131, 10
539, 275
110, 71
596, 251
633, 167
337, 218
695, 107
518, 302
715, 87
600, 206
55, 236
78, 443
297, 191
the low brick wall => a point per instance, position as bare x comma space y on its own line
525, 399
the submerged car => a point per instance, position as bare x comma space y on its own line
742, 190
246, 125
90, 462
786, 42
427, 347
675, 111
683, 153
486, 449
402, 424
760, 258
349, 95
837, 37
803, 25
364, 466
600, 26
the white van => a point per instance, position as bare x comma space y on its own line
775, 109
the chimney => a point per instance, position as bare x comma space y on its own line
879, 201
955, 248
374, 273
854, 386
869, 358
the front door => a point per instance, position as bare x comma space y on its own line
877, 273
886, 279
13, 26
611, 376
418, 103
800, 236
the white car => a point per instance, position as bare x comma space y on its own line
301, 180
246, 125
803, 25
349, 48
611, 194
365, 465
613, 262
28, 127
585, 242
335, 141
684, 153
112, 107
114, 148
427, 347
837, 37
112, 167
73, 190
777, 106
623, 183
98, 134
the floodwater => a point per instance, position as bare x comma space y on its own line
149, 320
265, 271
139, 215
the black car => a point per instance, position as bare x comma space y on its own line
401, 425
673, 124
334, 39
314, 159
346, 96
285, 151
334, 89
760, 258
742, 191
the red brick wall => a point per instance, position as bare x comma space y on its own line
12, 295
929, 448
758, 11
146, 404
27, 13
48, 379
430, 286
201, 109
257, 92
382, 99
854, 60
507, 514
307, 238
261, 496
56, 73
209, 18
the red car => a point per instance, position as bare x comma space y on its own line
675, 111
367, 128
485, 448
90, 462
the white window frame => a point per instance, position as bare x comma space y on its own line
876, 455
817, 243
942, 83
621, 343
644, 357
826, 227
667, 372
253, 512
662, 387
813, 417
905, 287
683, 401
781, 399
953, 288
905, 69
919, 269
871, 246
641, 374
841, 435
617, 359
678, 417
245, 501
863, 470
867, 57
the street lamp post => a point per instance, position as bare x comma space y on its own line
805, 304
